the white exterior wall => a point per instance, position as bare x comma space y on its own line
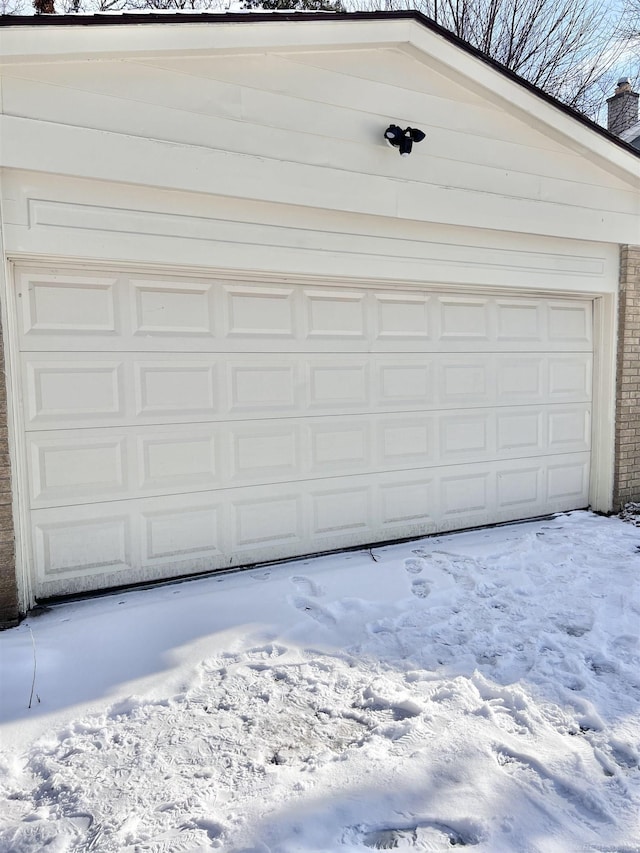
52, 216
306, 129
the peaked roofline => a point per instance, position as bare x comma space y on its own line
142, 18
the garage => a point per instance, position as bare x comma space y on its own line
238, 327
176, 425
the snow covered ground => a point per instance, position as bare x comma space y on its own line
478, 690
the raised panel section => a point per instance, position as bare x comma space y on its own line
262, 451
568, 481
407, 441
338, 385
341, 511
402, 317
267, 522
171, 310
464, 318
519, 488
569, 429
519, 321
164, 390
570, 378
177, 460
570, 322
520, 380
520, 432
265, 312
464, 381
70, 306
465, 494
67, 468
258, 388
79, 547
69, 391
339, 446
403, 503
465, 436
405, 384
187, 533
335, 315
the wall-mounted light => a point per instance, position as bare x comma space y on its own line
403, 139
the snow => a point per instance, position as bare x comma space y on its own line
478, 690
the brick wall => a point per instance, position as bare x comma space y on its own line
626, 485
8, 592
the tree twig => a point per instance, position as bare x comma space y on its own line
35, 665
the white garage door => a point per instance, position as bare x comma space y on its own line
178, 425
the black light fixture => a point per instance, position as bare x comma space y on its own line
403, 139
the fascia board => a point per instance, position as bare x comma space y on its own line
51, 44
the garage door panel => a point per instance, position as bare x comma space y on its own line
154, 538
90, 392
468, 435
403, 318
262, 451
101, 391
569, 378
167, 309
264, 312
521, 431
466, 318
187, 533
84, 546
521, 378
407, 441
519, 490
56, 306
569, 428
520, 321
78, 311
571, 323
69, 469
340, 446
167, 390
567, 480
176, 460
88, 466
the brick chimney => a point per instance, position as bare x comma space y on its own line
622, 108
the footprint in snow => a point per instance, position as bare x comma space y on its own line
531, 771
305, 586
314, 610
421, 835
414, 565
420, 588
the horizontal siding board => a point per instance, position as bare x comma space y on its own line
107, 156
373, 97
390, 66
477, 136
449, 158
